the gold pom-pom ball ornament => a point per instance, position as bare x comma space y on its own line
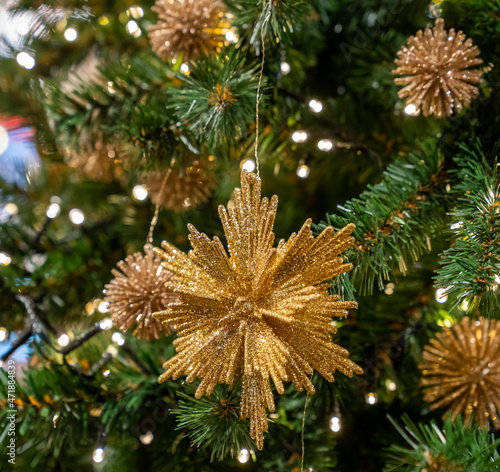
262, 312
188, 27
138, 290
436, 69
461, 368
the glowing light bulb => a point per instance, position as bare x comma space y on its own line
98, 455
325, 145
411, 110
111, 87
25, 60
243, 456
118, 338
70, 34
389, 289
4, 139
3, 334
146, 438
4, 259
441, 296
391, 385
112, 350
103, 307
106, 323
335, 424
63, 340
371, 398
232, 37
248, 165
53, 210
76, 216
55, 418
299, 136
132, 27
285, 68
303, 171
184, 68
140, 192
315, 105
135, 11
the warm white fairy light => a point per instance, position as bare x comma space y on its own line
112, 350
243, 456
391, 385
106, 323
3, 334
232, 37
303, 171
63, 340
315, 105
300, 136
76, 216
456, 225
140, 192
54, 419
464, 306
53, 210
440, 295
411, 110
248, 165
4, 259
4, 139
111, 87
389, 288
285, 68
106, 372
135, 12
70, 34
371, 398
25, 60
118, 338
146, 438
132, 27
103, 307
184, 68
98, 455
325, 145
335, 424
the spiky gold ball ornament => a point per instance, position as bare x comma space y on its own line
185, 188
187, 27
262, 312
137, 291
436, 68
461, 368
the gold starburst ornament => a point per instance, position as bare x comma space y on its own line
259, 313
188, 27
461, 368
137, 291
436, 68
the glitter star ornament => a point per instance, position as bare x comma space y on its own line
259, 313
461, 368
187, 27
436, 69
138, 291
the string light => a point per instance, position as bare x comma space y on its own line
243, 456
4, 139
118, 338
389, 289
335, 424
103, 307
53, 210
135, 11
4, 259
103, 20
464, 306
456, 225
111, 87
315, 105
299, 136
112, 350
285, 68
146, 438
70, 34
132, 27
184, 68
371, 398
441, 296
105, 324
232, 37
25, 60
412, 110
98, 455
63, 340
248, 165
325, 145
303, 171
55, 418
3, 334
76, 216
106, 372
391, 385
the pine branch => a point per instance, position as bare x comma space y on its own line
394, 219
471, 266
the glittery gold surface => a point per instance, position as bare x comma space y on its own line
436, 64
190, 27
461, 368
137, 291
185, 189
263, 312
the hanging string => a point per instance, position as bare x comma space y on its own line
303, 427
266, 19
157, 206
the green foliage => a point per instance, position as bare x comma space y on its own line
394, 219
452, 449
217, 99
470, 267
213, 422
